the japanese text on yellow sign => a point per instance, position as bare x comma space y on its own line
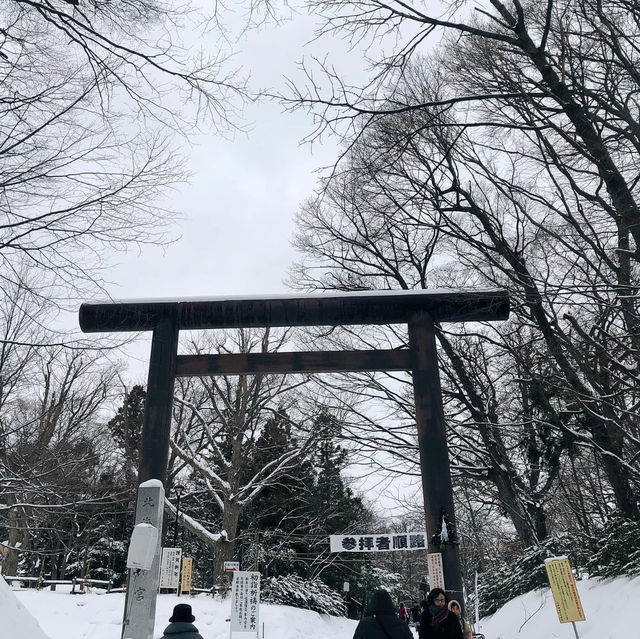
187, 564
564, 590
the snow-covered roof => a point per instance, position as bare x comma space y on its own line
319, 309
293, 296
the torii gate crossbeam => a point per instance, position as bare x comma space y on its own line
419, 310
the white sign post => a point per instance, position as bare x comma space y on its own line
245, 604
170, 568
142, 585
436, 573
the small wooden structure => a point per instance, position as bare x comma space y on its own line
419, 310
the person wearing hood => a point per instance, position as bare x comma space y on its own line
454, 606
381, 621
437, 621
181, 624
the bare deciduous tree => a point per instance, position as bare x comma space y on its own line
219, 424
498, 162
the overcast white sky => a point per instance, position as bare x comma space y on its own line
239, 206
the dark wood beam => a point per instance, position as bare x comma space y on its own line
366, 307
437, 489
156, 427
295, 362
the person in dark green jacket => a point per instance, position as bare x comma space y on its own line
181, 626
381, 621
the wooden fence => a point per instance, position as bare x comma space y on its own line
75, 582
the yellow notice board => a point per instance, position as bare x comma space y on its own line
187, 565
564, 590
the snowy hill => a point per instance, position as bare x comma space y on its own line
609, 606
15, 616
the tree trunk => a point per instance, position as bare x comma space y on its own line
610, 438
502, 473
224, 549
18, 536
515, 509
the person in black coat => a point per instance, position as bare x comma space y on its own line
381, 621
415, 614
181, 626
437, 621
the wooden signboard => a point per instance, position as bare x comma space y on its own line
564, 590
185, 584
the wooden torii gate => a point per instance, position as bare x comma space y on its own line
419, 310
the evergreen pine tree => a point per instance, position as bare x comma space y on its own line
126, 426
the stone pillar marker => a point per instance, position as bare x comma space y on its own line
142, 585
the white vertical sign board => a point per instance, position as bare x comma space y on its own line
436, 573
170, 568
142, 585
245, 604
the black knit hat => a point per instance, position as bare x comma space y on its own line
182, 612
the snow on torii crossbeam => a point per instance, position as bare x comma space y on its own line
418, 309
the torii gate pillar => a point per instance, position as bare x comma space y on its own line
437, 489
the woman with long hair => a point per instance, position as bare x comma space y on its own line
437, 621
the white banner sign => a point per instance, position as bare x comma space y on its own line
231, 565
245, 601
170, 568
383, 542
436, 573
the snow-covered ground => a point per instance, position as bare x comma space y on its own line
61, 615
609, 606
27, 614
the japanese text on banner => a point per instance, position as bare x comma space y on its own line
383, 542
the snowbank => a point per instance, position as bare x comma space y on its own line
99, 616
16, 617
609, 606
